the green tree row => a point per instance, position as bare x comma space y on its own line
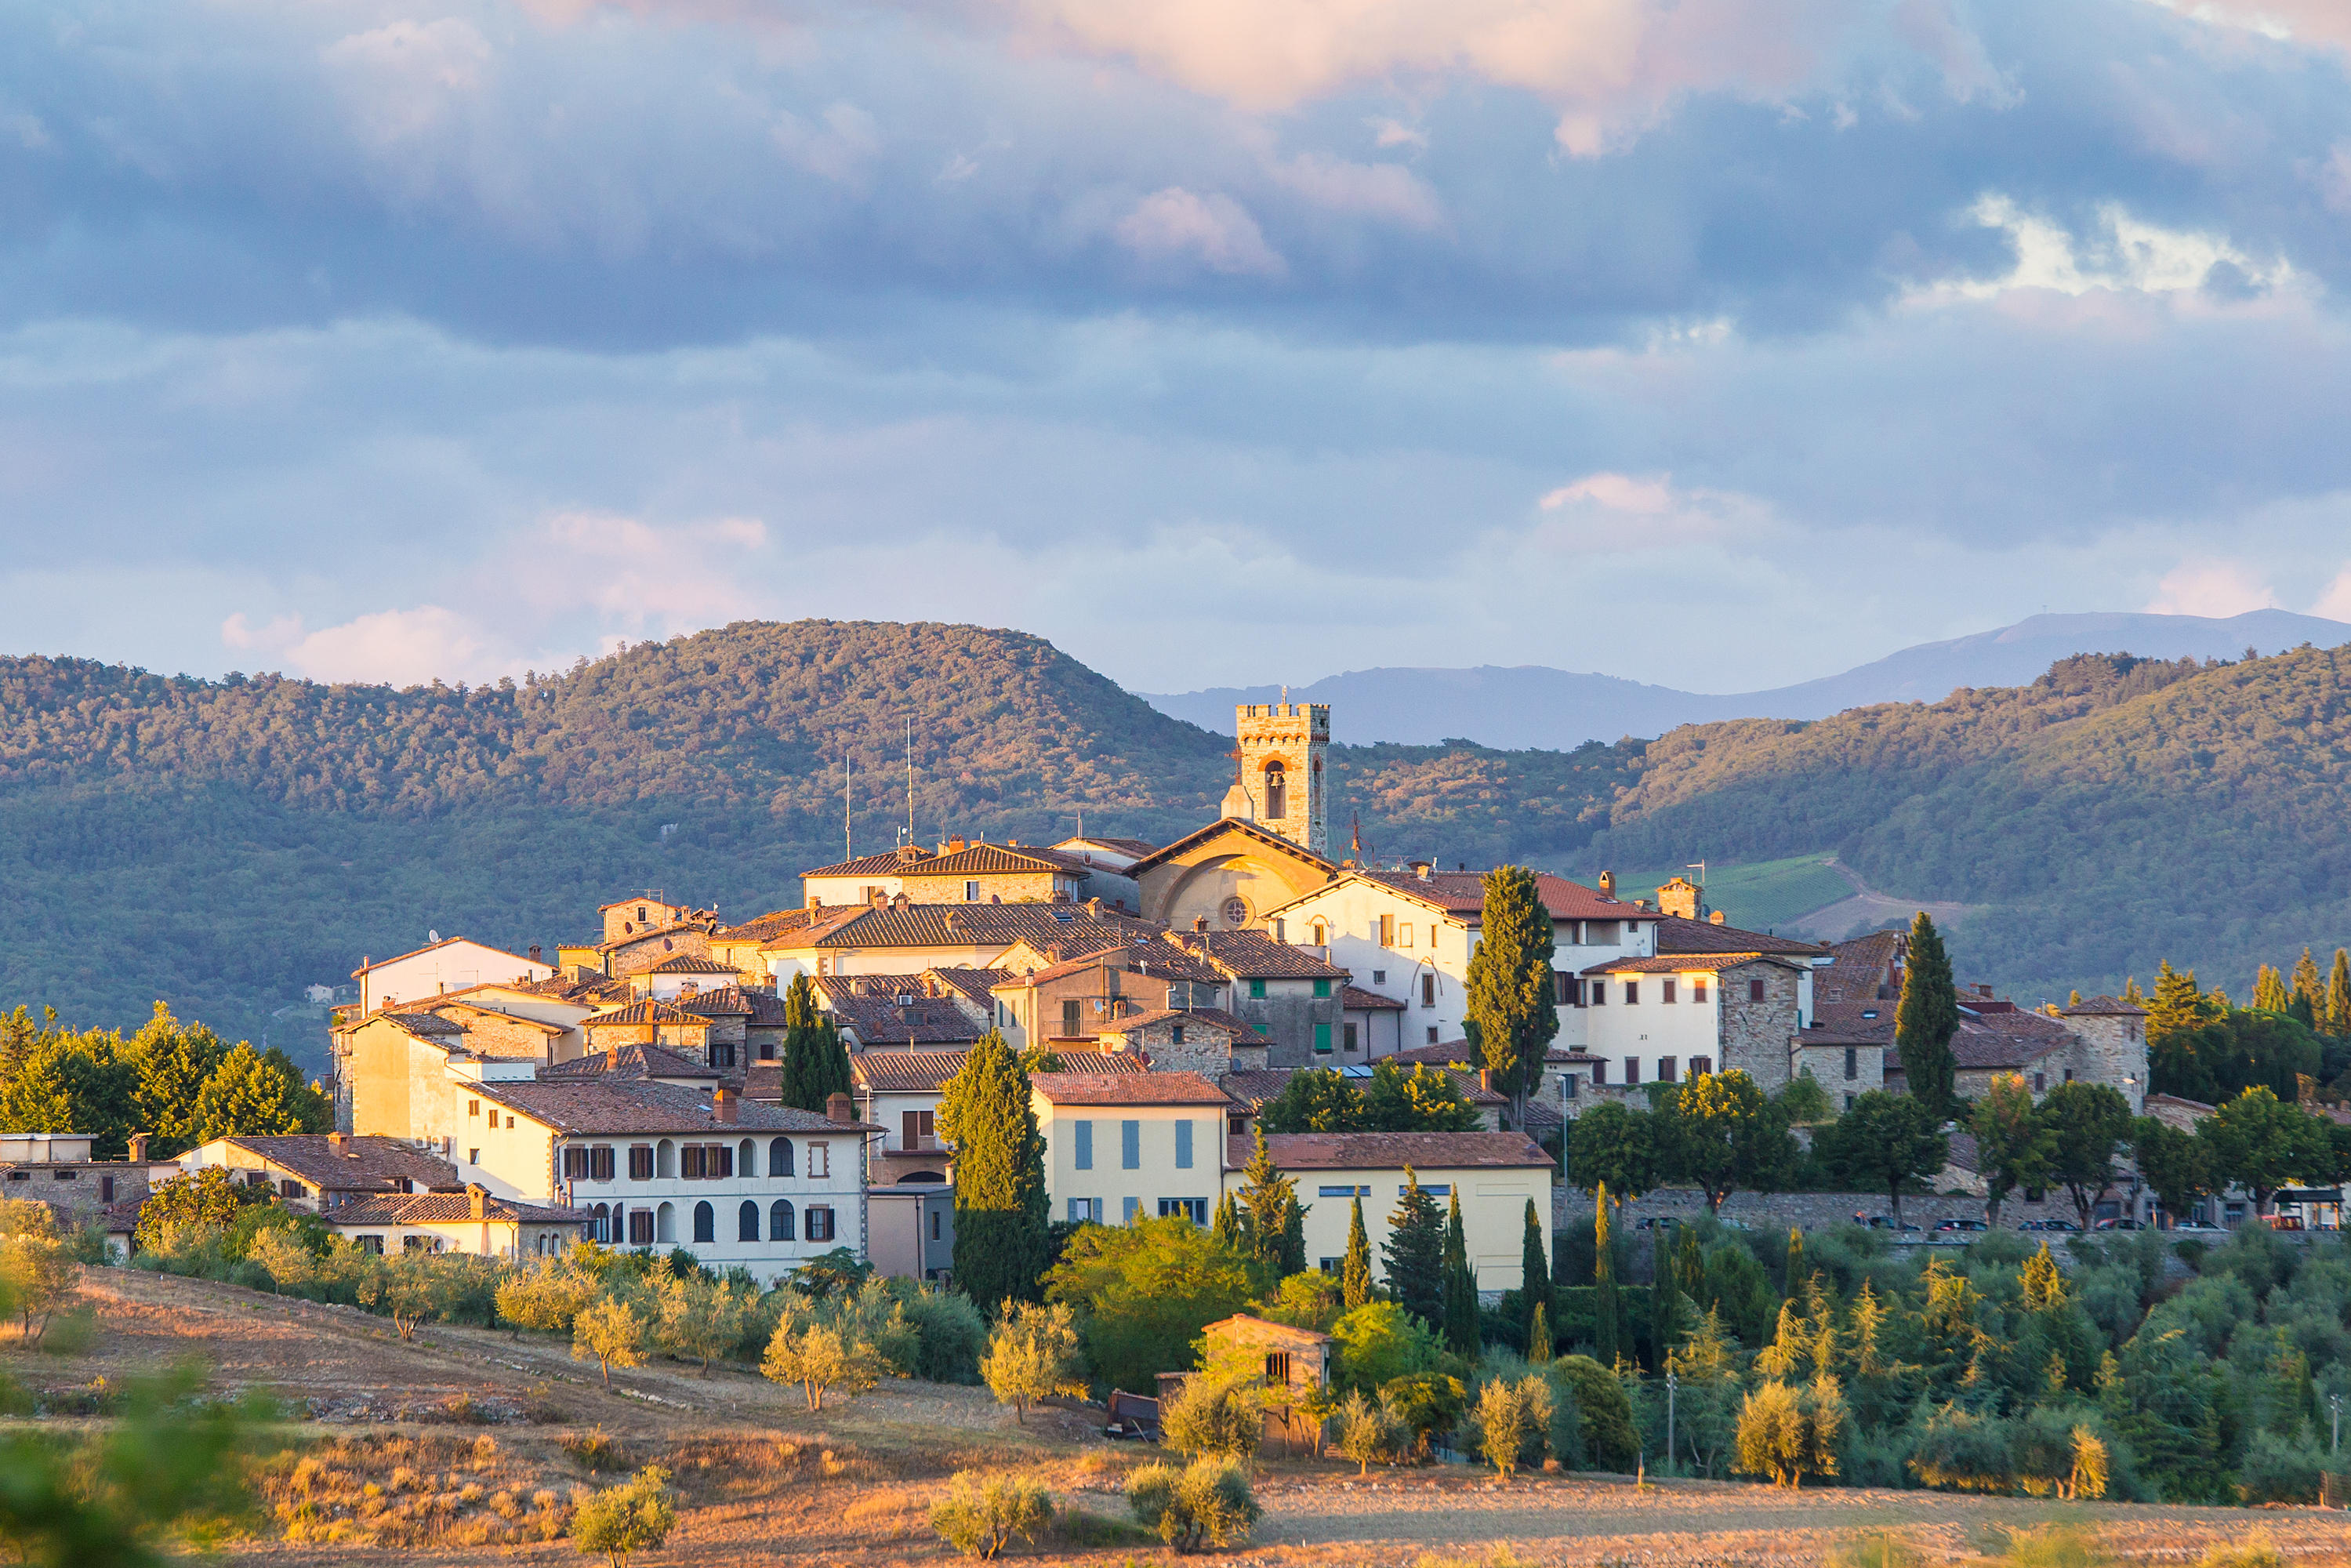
178, 1082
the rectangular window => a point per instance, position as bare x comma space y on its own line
1754, 990
1567, 1086
1438, 1189
1558, 990
722, 1054
722, 1160
918, 1129
1322, 990
473, 1107
2040, 1081
1697, 989
1365, 1191
1599, 993
1852, 1062
640, 1162
1130, 1145
689, 1162
371, 1244
1379, 976
1195, 1210
1257, 990
1126, 1210
1321, 1039
935, 1225
1085, 1211
971, 892
1347, 1041
1428, 990
1848, 1102
1700, 1066
1184, 1145
1082, 1146
1387, 930
106, 1189
1632, 993
1070, 1012
819, 1225
641, 1228
1632, 1070
575, 1164
1666, 1069
820, 1159
1665, 992
599, 1162
1404, 935
1599, 1073
472, 1157
1432, 1034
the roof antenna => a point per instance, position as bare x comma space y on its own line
910, 781
846, 853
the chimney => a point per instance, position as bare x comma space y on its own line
1199, 922
900, 902
1093, 907
474, 1197
1419, 869
1607, 884
723, 1104
1983, 990
137, 1147
1486, 1079
534, 952
1714, 918
839, 1107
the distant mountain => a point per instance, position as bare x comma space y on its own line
1531, 706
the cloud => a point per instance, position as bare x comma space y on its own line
1177, 225
2322, 22
403, 79
2118, 252
2336, 602
840, 149
2215, 588
392, 647
1610, 513
1387, 191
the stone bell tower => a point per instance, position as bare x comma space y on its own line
1283, 781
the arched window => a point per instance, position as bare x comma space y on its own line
666, 1224
603, 1222
1317, 937
779, 1158
705, 1222
746, 1222
746, 1159
779, 1219
1276, 790
665, 1160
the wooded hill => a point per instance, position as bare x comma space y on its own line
221, 844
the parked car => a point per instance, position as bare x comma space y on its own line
1659, 1222
1964, 1225
2048, 1224
2125, 1224
2197, 1227
1886, 1222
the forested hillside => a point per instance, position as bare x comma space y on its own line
222, 844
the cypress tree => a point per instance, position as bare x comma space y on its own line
2338, 995
1414, 1253
1002, 1242
2177, 1003
1290, 1257
1792, 1273
1539, 1348
1265, 1204
803, 1078
1690, 1269
2269, 990
2307, 985
1534, 1268
1460, 1285
1355, 1274
1227, 1225
1605, 1349
1511, 987
1665, 1302
1927, 1018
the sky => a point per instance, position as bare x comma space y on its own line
1718, 343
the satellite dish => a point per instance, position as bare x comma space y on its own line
432, 937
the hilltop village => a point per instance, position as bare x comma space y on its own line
627, 1086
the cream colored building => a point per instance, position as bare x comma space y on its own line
1123, 1145
1496, 1174
469, 1221
452, 963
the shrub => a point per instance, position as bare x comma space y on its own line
1218, 1411
1033, 1354
1378, 1342
1511, 1416
1603, 1412
950, 1333
2255, 1550
2279, 1469
1367, 1430
1424, 1404
631, 1517
1205, 1503
980, 1518
1786, 1433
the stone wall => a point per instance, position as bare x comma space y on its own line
2111, 1049
1826, 1064
1755, 1035
1287, 1015
1780, 1211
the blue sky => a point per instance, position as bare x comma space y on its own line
1721, 343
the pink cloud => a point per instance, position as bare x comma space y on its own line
2215, 588
1214, 230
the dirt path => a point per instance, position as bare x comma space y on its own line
1869, 909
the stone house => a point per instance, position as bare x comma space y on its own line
1205, 1040
1294, 997
1370, 1025
1071, 1001
746, 1024
649, 1022
901, 1013
654, 1063
321, 1171
1294, 1366
1658, 1020
59, 1169
625, 917
469, 1221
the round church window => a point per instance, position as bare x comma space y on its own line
1235, 913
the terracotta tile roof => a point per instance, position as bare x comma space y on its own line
984, 858
924, 1071
760, 927
1253, 1089
644, 1010
1135, 847
444, 1006
1126, 1089
638, 1105
1850, 1018
968, 926
877, 1020
1150, 954
1393, 1151
1444, 1053
1694, 963
690, 964
590, 993
1862, 968
2103, 1007
447, 1208
638, 1060
887, 863
1241, 1031
764, 1007
1980, 1049
424, 1023
973, 985
365, 1163
1256, 956
1463, 893
1355, 999
1265, 836
1542, 1116
1821, 1035
1676, 934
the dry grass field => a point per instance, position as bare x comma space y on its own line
467, 1446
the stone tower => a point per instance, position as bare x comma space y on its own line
1284, 779
2110, 1046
